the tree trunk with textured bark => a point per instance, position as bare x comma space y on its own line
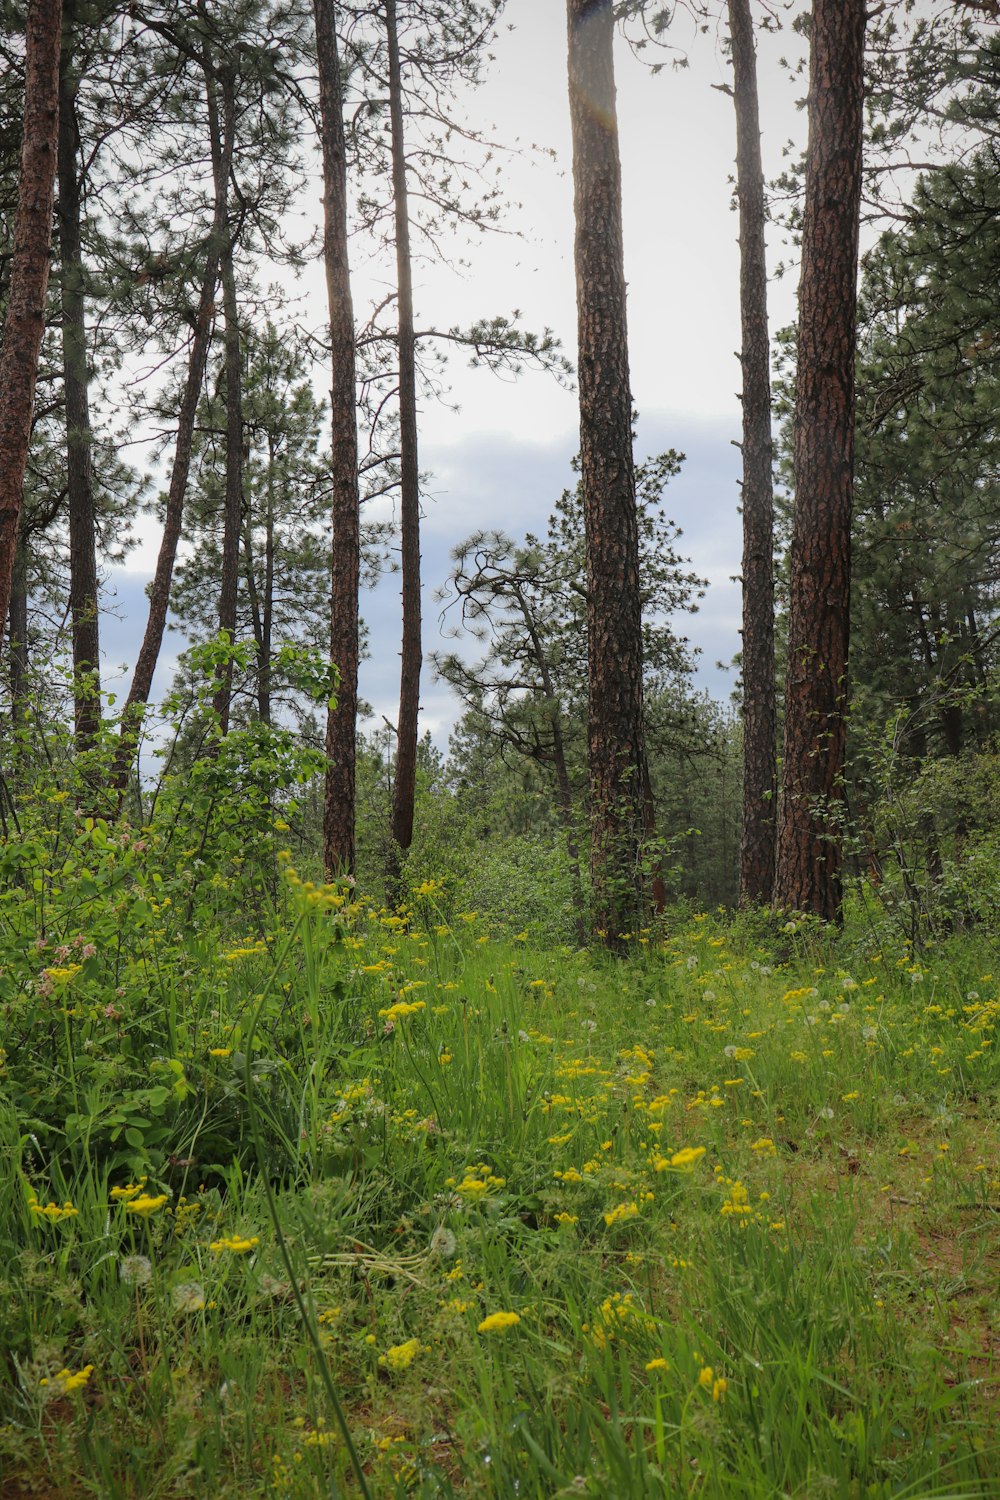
261, 603
29, 275
159, 589
83, 586
759, 717
809, 874
341, 730
616, 752
222, 127
404, 785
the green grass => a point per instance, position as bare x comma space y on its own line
746, 1211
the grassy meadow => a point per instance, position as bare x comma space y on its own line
347, 1201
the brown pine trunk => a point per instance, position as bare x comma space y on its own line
267, 621
341, 731
221, 134
83, 587
564, 793
809, 875
404, 786
159, 591
261, 607
29, 275
616, 752
759, 718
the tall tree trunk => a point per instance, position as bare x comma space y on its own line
29, 275
616, 751
83, 587
261, 600
159, 590
759, 717
18, 617
341, 727
222, 126
564, 793
404, 786
809, 874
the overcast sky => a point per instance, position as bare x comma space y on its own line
504, 457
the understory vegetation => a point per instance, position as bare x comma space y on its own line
305, 1195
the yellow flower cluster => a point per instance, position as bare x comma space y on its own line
400, 1356
709, 1381
130, 1190
236, 955
235, 1245
52, 1211
617, 1316
146, 1205
63, 977
621, 1212
499, 1322
402, 1009
68, 1381
476, 1183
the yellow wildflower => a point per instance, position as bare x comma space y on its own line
402, 1008
622, 1211
499, 1321
687, 1156
401, 1356
235, 1244
765, 1146
146, 1205
70, 1382
52, 1211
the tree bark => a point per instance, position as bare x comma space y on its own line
261, 604
222, 124
159, 589
759, 715
83, 585
341, 751
29, 276
616, 752
809, 875
404, 786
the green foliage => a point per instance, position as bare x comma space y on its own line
928, 504
394, 1164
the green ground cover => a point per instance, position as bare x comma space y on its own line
722, 1219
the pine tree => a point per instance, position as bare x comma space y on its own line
808, 875
758, 669
341, 733
619, 806
25, 317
